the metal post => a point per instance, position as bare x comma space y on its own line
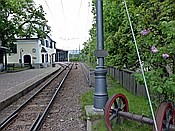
100, 93
5, 60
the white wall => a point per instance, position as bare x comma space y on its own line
33, 48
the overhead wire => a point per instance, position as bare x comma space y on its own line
48, 7
50, 11
62, 7
76, 26
65, 22
53, 16
146, 87
87, 17
77, 20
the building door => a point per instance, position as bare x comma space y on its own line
1, 57
42, 58
27, 59
1, 62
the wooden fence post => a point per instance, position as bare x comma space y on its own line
127, 80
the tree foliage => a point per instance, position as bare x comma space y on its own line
154, 26
20, 18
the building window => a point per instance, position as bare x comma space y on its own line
42, 58
46, 56
47, 43
13, 48
51, 46
42, 42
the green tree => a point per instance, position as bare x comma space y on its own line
154, 26
20, 18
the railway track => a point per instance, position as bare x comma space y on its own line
31, 114
89, 74
84, 69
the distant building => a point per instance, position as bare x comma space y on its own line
74, 53
37, 52
61, 55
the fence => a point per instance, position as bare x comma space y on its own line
127, 80
89, 72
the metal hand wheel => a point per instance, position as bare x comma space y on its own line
115, 104
165, 117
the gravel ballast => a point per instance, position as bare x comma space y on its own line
66, 112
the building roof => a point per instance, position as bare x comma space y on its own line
27, 38
35, 38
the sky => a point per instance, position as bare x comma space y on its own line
70, 21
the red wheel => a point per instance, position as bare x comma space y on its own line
165, 116
115, 104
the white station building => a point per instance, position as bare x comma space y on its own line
37, 52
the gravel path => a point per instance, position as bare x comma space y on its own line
66, 112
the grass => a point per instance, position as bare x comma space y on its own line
17, 68
137, 105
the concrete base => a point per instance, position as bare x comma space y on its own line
36, 65
43, 65
90, 110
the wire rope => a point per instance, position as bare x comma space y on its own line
146, 87
48, 7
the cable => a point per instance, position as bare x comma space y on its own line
146, 87
63, 10
48, 7
87, 16
64, 16
78, 16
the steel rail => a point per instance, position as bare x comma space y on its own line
89, 74
36, 120
39, 123
15, 113
83, 70
62, 65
